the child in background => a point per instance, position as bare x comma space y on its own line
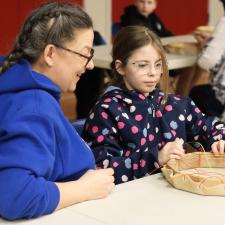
142, 13
136, 128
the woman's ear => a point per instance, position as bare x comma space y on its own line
119, 67
49, 53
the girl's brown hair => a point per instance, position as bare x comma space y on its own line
51, 23
128, 40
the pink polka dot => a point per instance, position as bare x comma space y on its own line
143, 141
100, 138
223, 131
168, 108
119, 108
121, 125
115, 164
127, 153
108, 100
199, 122
94, 129
119, 96
135, 166
173, 132
151, 137
134, 129
138, 117
197, 110
158, 114
141, 96
176, 98
142, 163
104, 115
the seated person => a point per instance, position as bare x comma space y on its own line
44, 164
136, 128
90, 85
210, 97
142, 13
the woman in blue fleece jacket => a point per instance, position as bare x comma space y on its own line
135, 128
44, 164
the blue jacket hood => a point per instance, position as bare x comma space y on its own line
20, 77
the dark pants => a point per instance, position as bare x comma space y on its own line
204, 97
88, 90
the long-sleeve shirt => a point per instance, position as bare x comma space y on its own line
214, 48
126, 130
212, 59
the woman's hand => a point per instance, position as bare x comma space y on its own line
218, 147
172, 150
97, 183
92, 185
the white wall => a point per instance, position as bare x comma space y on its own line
101, 14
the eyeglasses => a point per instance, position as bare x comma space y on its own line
77, 53
144, 67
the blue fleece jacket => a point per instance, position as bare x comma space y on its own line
38, 145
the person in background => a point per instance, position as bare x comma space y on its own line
44, 163
209, 80
142, 13
136, 128
90, 85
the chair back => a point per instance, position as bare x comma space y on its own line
115, 29
98, 39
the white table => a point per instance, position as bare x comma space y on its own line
61, 217
152, 200
149, 200
102, 57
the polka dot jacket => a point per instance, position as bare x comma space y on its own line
126, 130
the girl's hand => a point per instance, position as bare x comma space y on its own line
97, 183
218, 147
172, 150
